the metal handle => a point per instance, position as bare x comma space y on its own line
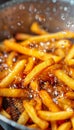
11, 125
5, 126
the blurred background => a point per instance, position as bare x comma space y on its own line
2, 1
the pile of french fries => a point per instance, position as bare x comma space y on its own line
43, 65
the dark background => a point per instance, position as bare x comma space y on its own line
2, 1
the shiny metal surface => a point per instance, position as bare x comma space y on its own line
53, 15
18, 15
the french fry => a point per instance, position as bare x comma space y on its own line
33, 126
4, 113
11, 92
70, 95
65, 104
32, 102
11, 76
48, 102
51, 69
22, 36
71, 72
3, 74
65, 78
70, 54
24, 117
60, 52
10, 58
72, 121
34, 85
36, 70
35, 28
30, 52
53, 125
62, 44
47, 37
38, 103
44, 64
32, 113
3, 48
29, 65
69, 58
65, 126
54, 116
70, 62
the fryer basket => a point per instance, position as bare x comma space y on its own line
18, 15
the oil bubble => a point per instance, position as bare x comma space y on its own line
54, 1
62, 17
65, 8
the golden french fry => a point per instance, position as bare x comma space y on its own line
11, 92
32, 102
70, 62
53, 125
65, 126
36, 70
24, 117
71, 129
71, 72
54, 116
3, 48
51, 68
3, 74
22, 36
4, 113
55, 58
34, 85
47, 37
48, 102
65, 104
62, 44
65, 78
33, 126
69, 58
60, 52
70, 95
10, 58
70, 54
29, 65
44, 65
30, 52
32, 113
35, 28
11, 76
72, 121
38, 103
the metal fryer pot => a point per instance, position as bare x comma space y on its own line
18, 15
